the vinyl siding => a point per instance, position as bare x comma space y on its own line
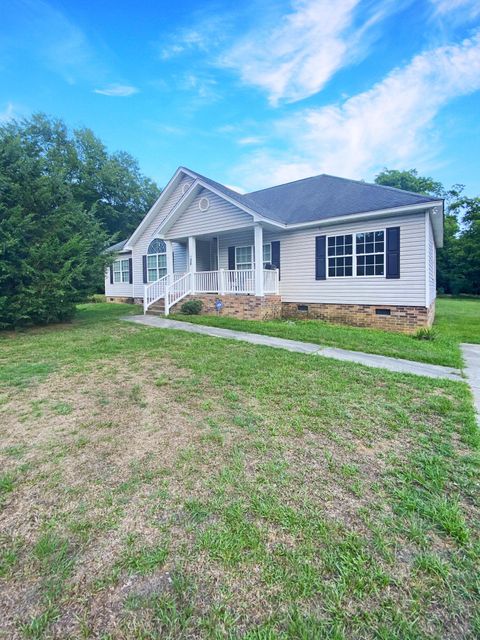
232, 239
123, 289
432, 266
141, 245
297, 257
220, 216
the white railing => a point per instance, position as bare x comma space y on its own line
206, 282
177, 290
270, 281
239, 281
154, 291
224, 281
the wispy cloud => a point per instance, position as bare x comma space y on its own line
462, 8
207, 33
8, 113
311, 43
117, 90
250, 140
392, 124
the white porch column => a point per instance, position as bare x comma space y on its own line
258, 252
192, 260
169, 246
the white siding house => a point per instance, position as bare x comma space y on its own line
323, 247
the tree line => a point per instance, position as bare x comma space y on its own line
64, 198
458, 262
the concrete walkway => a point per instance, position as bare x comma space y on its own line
471, 355
367, 359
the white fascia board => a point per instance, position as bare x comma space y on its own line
365, 215
153, 210
174, 214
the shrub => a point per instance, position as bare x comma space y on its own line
426, 334
192, 307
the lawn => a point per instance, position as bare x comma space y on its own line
457, 320
157, 484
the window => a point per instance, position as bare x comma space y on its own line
121, 271
340, 256
156, 260
370, 253
267, 254
244, 256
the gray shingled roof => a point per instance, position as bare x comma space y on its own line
320, 197
325, 196
115, 248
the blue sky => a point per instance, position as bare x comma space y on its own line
256, 93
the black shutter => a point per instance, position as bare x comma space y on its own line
145, 269
231, 258
130, 271
320, 258
393, 252
276, 255
111, 274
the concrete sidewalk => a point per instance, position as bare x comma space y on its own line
368, 359
471, 355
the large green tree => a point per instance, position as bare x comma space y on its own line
109, 185
458, 262
51, 247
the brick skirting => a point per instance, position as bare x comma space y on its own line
240, 306
386, 317
122, 299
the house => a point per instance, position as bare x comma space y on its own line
322, 247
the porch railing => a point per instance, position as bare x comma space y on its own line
206, 282
177, 290
224, 281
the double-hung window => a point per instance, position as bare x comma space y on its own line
244, 256
370, 253
340, 256
121, 271
360, 254
156, 260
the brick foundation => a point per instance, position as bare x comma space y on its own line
244, 307
402, 319
122, 299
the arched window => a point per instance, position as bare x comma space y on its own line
156, 260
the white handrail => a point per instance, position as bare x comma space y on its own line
154, 291
270, 281
177, 290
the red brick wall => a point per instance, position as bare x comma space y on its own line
237, 306
402, 319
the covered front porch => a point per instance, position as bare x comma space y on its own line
233, 263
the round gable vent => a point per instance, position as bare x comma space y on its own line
203, 204
186, 186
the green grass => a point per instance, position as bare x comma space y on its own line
457, 320
175, 486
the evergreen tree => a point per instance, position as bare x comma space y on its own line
51, 247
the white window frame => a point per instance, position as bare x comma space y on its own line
354, 254
252, 255
375, 253
121, 273
157, 268
344, 255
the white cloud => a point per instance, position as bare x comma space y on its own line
296, 59
117, 90
8, 113
392, 124
208, 32
469, 8
250, 140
